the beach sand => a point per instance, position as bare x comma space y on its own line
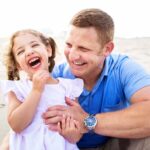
4, 128
136, 48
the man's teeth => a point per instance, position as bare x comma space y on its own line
78, 63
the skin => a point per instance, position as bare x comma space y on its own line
70, 129
86, 58
27, 46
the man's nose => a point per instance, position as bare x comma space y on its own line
74, 53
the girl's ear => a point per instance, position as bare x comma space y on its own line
108, 48
18, 67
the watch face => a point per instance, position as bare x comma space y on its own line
90, 122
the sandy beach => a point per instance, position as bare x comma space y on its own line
3, 122
136, 48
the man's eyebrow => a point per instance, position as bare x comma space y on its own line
33, 42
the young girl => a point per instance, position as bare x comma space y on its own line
30, 51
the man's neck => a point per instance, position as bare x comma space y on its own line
90, 81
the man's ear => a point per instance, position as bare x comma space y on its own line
108, 48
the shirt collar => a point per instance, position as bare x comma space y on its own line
105, 73
106, 67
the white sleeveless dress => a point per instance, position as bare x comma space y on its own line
37, 136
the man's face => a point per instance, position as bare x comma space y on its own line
84, 52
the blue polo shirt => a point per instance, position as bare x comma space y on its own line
119, 80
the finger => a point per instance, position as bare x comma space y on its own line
70, 102
51, 114
59, 127
72, 124
45, 75
52, 120
68, 122
53, 127
57, 107
63, 122
76, 123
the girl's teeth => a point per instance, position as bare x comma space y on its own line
33, 60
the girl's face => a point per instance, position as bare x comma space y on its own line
30, 53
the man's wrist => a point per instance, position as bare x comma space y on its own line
90, 123
83, 128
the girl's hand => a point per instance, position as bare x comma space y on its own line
39, 80
69, 129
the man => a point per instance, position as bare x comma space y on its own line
116, 98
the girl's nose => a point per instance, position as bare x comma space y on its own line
29, 52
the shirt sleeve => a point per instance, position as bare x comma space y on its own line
62, 70
58, 70
133, 78
74, 87
7, 86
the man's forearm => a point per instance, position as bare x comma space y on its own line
132, 122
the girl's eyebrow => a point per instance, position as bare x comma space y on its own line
18, 48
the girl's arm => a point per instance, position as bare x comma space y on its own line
69, 129
20, 114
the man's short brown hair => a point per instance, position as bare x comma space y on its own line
100, 20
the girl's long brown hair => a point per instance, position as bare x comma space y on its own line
9, 59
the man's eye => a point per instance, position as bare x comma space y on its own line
68, 45
84, 49
35, 45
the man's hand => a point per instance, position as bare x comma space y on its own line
77, 113
54, 114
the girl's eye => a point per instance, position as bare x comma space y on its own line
20, 52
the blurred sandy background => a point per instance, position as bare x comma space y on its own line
137, 48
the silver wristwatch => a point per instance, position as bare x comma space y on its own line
90, 122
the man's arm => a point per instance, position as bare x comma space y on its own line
132, 122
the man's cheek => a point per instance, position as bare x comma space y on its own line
66, 52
